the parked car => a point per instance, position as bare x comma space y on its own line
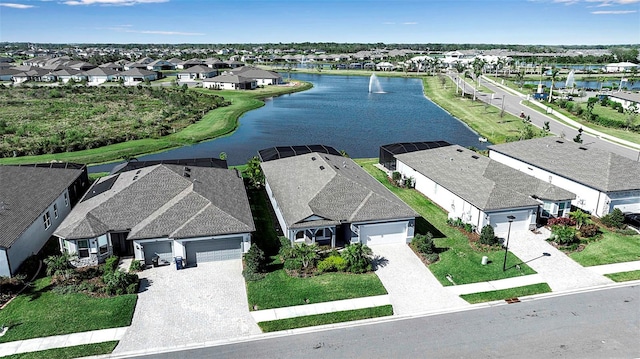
632, 219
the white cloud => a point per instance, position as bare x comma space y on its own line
112, 2
613, 12
410, 23
127, 28
16, 6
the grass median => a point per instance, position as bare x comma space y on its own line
328, 318
624, 276
458, 259
506, 293
68, 352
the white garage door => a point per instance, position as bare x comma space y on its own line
626, 204
500, 222
383, 233
214, 250
163, 249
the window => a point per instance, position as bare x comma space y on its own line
83, 248
66, 199
47, 220
561, 207
103, 244
55, 210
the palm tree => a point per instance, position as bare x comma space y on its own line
580, 217
253, 172
358, 258
554, 74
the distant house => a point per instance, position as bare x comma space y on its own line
322, 197
620, 67
137, 75
234, 63
101, 75
600, 179
229, 82
135, 65
200, 213
476, 189
159, 65
197, 72
65, 75
262, 77
215, 63
189, 63
34, 200
385, 66
113, 66
33, 74
627, 99
7, 73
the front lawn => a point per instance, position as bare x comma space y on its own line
328, 318
39, 312
277, 289
624, 276
611, 248
68, 352
506, 293
457, 258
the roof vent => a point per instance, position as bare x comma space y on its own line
187, 172
135, 178
558, 141
336, 167
475, 157
313, 158
583, 148
459, 150
138, 172
321, 168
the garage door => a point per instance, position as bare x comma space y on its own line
626, 205
383, 233
214, 250
163, 249
500, 222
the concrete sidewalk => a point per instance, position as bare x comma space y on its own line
496, 284
320, 308
61, 341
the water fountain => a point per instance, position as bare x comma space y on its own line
374, 84
570, 80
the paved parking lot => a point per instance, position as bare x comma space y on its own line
189, 306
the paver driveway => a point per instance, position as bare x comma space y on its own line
189, 306
411, 286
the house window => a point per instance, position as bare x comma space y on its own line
66, 199
83, 248
55, 210
103, 245
47, 220
561, 207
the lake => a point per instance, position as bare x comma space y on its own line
340, 112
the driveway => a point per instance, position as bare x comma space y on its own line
412, 287
189, 306
559, 271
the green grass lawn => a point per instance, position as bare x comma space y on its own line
506, 293
68, 352
219, 122
611, 248
329, 318
482, 119
41, 313
278, 289
624, 276
458, 258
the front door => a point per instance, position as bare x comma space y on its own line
121, 246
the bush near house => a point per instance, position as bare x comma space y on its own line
488, 236
423, 244
615, 219
303, 260
561, 221
254, 264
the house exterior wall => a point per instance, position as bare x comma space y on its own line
403, 227
626, 201
587, 198
625, 103
279, 216
4, 264
180, 245
35, 236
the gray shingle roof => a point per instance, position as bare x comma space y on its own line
159, 201
593, 167
234, 79
487, 184
25, 192
332, 187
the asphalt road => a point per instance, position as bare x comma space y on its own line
512, 105
596, 324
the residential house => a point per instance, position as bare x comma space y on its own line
134, 76
65, 75
476, 189
113, 66
159, 65
100, 75
198, 72
191, 210
626, 98
600, 179
189, 63
229, 82
620, 67
322, 197
34, 200
385, 66
262, 77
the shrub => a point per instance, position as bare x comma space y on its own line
119, 282
136, 266
111, 264
589, 230
561, 221
332, 264
563, 235
358, 258
615, 219
423, 243
432, 257
488, 236
254, 260
292, 264
396, 177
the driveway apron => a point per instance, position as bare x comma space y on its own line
192, 305
559, 271
411, 286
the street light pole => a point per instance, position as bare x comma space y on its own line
506, 247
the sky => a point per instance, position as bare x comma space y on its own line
525, 22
